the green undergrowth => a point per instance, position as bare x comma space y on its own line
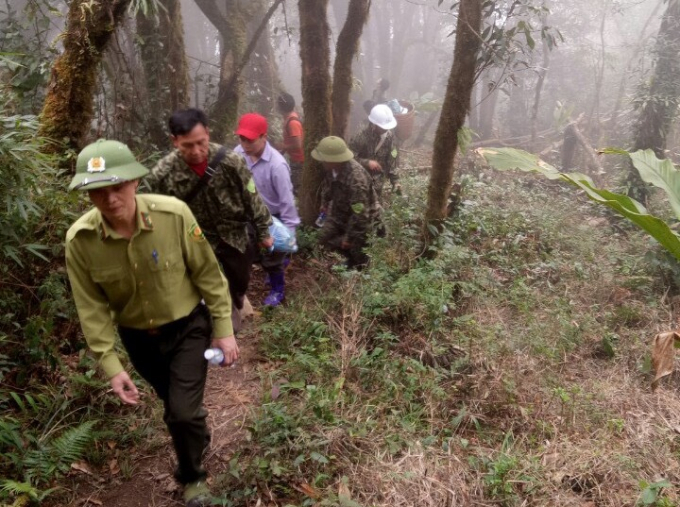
494, 367
52, 401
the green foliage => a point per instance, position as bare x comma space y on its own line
25, 52
651, 493
659, 173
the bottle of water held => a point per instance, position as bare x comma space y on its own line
320, 219
214, 356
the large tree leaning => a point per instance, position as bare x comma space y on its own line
455, 108
346, 50
658, 109
67, 110
315, 56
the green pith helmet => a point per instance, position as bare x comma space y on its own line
332, 149
105, 163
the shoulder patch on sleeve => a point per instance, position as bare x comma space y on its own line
358, 207
251, 186
195, 233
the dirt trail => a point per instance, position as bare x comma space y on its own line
229, 394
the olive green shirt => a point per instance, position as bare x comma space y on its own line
156, 277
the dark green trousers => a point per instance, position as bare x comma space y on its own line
170, 358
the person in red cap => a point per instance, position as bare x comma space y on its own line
272, 180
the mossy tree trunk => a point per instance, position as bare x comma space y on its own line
68, 106
346, 50
454, 109
165, 67
658, 108
316, 92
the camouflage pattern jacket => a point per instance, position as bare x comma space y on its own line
225, 206
354, 202
364, 144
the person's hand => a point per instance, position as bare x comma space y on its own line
126, 390
229, 347
374, 166
345, 245
267, 243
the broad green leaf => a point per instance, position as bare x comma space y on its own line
505, 159
510, 158
661, 174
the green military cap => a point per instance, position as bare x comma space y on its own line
105, 163
332, 149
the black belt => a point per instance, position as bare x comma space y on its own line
170, 327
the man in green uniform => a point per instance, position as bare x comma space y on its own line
354, 209
140, 266
218, 187
375, 147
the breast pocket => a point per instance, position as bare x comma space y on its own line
168, 272
113, 281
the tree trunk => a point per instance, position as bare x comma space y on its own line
542, 73
262, 71
224, 113
67, 110
315, 57
642, 39
455, 108
165, 67
661, 103
487, 106
346, 49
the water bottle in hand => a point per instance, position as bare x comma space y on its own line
214, 356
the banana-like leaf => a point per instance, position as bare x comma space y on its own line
661, 174
510, 158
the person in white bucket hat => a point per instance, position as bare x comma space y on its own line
375, 148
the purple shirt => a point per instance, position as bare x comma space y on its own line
272, 179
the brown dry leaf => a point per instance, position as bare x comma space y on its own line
92, 501
663, 355
307, 490
113, 467
111, 444
343, 491
81, 466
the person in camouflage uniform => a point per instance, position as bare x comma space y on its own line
375, 148
354, 207
225, 204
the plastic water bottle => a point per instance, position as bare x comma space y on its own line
320, 219
214, 356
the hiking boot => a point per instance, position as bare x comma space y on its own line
274, 298
197, 494
276, 295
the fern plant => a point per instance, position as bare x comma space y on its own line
54, 458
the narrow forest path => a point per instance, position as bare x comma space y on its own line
230, 395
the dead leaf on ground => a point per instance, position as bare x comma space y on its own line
343, 490
114, 468
90, 501
307, 490
663, 355
81, 466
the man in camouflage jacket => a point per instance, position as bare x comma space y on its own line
354, 208
226, 205
375, 147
